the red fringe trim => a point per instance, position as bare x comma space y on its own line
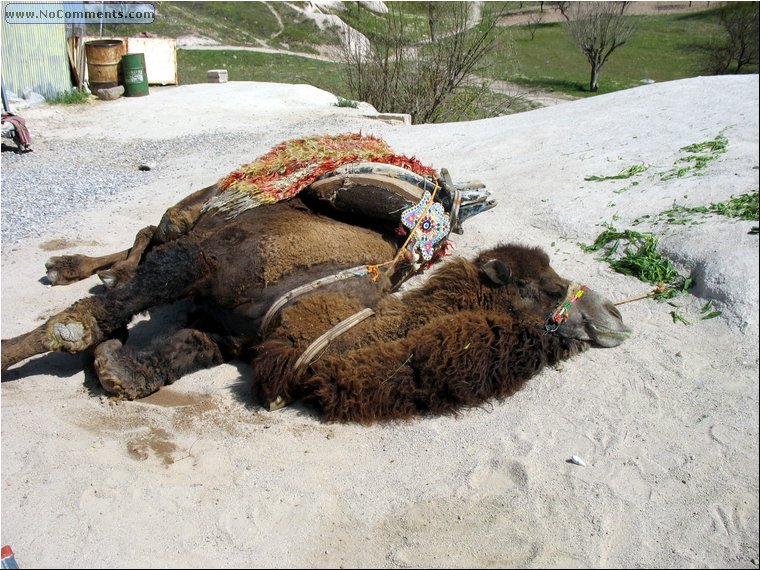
263, 184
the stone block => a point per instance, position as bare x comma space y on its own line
216, 76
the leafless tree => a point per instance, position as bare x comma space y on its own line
563, 8
535, 19
738, 48
399, 73
598, 29
432, 20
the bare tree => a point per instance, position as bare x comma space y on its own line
738, 48
397, 73
535, 19
598, 29
563, 8
432, 20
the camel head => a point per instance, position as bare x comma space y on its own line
586, 315
566, 308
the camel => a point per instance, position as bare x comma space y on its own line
295, 263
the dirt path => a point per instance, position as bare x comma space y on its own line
550, 14
216, 46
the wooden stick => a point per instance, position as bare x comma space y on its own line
652, 293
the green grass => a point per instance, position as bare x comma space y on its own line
231, 23
73, 97
255, 66
412, 16
663, 48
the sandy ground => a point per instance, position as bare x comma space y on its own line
199, 475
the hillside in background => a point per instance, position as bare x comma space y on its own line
277, 25
300, 42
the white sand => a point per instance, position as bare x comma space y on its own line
199, 475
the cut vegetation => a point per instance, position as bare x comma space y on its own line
743, 207
700, 155
635, 253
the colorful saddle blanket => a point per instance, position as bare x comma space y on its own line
293, 165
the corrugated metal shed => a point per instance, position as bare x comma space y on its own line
35, 58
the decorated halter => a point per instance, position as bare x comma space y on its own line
557, 317
429, 225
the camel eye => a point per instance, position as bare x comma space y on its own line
555, 291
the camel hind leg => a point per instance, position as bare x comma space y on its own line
66, 269
116, 268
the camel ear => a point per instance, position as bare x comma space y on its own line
497, 272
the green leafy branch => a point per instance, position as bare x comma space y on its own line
635, 253
698, 157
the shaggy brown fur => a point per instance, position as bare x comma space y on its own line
452, 362
459, 340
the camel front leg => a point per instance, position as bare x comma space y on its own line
74, 330
131, 374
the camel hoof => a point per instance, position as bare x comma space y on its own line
107, 366
64, 269
108, 279
277, 404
